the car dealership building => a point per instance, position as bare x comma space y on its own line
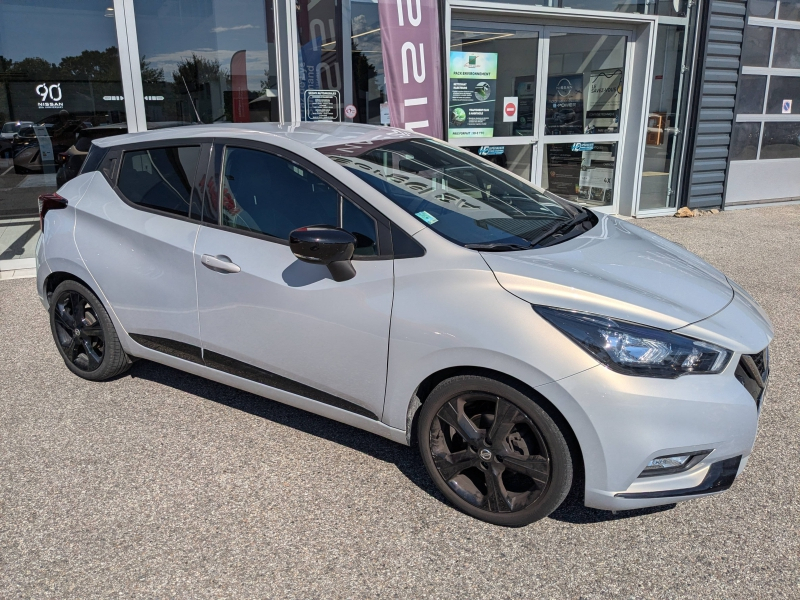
632, 107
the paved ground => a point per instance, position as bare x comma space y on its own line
164, 484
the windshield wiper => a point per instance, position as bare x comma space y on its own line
497, 247
561, 227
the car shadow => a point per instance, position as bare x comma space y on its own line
406, 459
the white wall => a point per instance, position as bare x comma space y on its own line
758, 180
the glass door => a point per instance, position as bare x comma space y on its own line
492, 92
584, 87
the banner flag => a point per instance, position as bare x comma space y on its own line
412, 64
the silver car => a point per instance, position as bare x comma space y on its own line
401, 285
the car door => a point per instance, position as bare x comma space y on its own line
269, 317
136, 231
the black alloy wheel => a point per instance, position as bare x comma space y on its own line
493, 452
84, 333
78, 331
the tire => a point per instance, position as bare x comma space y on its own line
84, 334
520, 477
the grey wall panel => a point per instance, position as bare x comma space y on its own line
722, 29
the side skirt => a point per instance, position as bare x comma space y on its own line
237, 368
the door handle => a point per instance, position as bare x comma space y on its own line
219, 263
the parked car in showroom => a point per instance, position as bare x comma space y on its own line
404, 286
71, 160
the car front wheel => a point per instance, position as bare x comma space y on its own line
493, 451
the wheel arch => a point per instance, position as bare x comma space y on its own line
428, 384
53, 280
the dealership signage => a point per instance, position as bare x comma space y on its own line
411, 62
50, 95
473, 83
564, 114
603, 101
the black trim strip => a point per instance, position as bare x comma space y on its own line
719, 478
226, 364
171, 347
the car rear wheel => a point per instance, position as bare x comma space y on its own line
493, 451
84, 333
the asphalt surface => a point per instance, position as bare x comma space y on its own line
162, 484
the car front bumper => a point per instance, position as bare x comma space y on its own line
623, 422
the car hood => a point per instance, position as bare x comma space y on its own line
618, 270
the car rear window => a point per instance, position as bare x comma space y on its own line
160, 178
94, 159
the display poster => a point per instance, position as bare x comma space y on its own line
45, 148
597, 174
603, 101
473, 82
525, 88
563, 170
564, 114
412, 63
321, 105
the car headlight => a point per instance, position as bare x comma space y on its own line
635, 349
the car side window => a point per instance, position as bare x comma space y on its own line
362, 226
159, 178
267, 194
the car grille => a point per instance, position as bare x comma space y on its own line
753, 372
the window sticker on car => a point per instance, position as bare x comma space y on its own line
427, 217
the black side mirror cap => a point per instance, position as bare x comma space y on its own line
325, 245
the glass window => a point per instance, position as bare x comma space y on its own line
362, 226
751, 94
369, 85
661, 142
762, 8
790, 10
584, 83
514, 52
209, 62
669, 8
59, 75
782, 89
781, 140
624, 6
321, 55
159, 178
267, 194
461, 197
744, 141
756, 45
582, 172
787, 49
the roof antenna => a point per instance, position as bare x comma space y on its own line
197, 114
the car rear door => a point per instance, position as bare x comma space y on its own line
136, 229
268, 317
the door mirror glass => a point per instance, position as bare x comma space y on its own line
323, 245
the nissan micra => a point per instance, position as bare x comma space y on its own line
401, 285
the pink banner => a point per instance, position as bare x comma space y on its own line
240, 94
412, 64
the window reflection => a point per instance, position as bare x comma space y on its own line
59, 78
207, 62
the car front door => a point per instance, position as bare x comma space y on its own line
268, 317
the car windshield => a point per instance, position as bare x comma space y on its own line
460, 196
11, 127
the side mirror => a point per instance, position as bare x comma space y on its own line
325, 245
